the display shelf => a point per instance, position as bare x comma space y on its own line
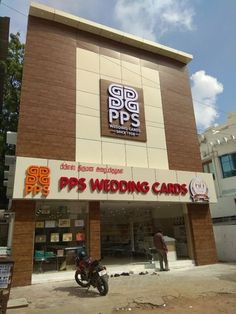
58, 231
181, 238
143, 237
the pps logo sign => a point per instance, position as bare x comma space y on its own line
37, 180
122, 111
123, 105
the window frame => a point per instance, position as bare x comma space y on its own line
207, 163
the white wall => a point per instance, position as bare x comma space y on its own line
215, 142
225, 236
90, 145
224, 207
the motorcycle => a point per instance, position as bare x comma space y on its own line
91, 273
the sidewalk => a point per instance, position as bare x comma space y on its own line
112, 269
132, 293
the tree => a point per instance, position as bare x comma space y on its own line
13, 67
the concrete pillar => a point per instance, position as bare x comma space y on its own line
23, 241
94, 230
202, 234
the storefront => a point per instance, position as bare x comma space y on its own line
107, 148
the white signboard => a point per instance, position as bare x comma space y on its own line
53, 179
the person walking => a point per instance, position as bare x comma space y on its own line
162, 250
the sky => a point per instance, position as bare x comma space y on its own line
204, 28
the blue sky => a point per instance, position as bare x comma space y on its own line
203, 28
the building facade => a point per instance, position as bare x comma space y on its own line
107, 149
218, 153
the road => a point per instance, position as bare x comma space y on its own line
204, 289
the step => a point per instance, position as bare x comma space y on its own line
182, 263
17, 303
152, 266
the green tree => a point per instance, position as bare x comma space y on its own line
13, 67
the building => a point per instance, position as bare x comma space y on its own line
218, 152
107, 148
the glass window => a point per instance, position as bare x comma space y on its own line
228, 165
209, 168
60, 231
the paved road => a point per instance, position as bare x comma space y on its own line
127, 293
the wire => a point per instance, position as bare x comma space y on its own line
210, 106
11, 8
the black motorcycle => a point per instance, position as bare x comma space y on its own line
91, 273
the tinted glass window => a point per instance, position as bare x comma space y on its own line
228, 165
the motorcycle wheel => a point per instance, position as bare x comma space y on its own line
102, 286
80, 281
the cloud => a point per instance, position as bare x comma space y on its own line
151, 18
205, 89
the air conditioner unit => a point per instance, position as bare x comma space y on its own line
11, 138
10, 160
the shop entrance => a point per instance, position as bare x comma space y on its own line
127, 230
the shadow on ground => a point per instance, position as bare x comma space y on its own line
229, 277
79, 292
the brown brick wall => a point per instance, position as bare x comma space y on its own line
22, 246
202, 232
180, 127
184, 153
94, 230
48, 100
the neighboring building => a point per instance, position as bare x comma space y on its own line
218, 152
107, 149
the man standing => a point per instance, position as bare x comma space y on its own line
162, 250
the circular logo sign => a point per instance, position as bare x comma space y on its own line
199, 190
